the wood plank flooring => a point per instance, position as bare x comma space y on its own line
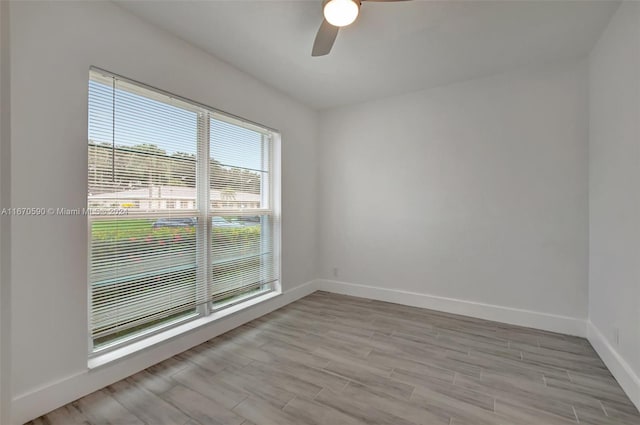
331, 359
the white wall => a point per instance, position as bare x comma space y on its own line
614, 194
475, 191
53, 44
5, 295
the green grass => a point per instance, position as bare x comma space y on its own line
116, 229
123, 224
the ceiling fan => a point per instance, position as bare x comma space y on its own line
337, 13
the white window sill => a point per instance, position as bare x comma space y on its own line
101, 360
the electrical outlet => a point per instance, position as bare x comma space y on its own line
616, 336
335, 272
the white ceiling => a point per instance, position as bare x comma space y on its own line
392, 48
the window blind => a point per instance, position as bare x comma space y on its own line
242, 259
182, 218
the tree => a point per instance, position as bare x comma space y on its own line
119, 168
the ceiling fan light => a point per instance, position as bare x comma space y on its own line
341, 13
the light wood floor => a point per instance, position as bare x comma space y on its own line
331, 359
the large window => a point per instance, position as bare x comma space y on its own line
183, 214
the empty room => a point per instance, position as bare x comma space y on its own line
338, 212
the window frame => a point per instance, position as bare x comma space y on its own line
203, 210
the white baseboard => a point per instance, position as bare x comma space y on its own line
33, 404
621, 370
513, 316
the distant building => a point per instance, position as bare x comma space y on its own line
171, 197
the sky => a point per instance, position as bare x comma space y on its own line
138, 120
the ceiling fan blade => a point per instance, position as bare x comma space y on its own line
324, 39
